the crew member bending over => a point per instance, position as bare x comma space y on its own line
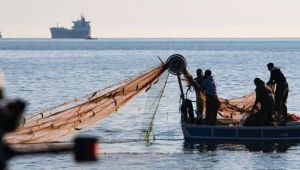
265, 97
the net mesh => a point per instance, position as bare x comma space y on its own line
154, 96
68, 118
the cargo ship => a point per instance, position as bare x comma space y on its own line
0, 35
81, 29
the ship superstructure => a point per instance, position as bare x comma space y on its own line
81, 29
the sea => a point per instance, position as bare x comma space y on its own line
48, 72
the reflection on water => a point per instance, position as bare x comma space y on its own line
252, 146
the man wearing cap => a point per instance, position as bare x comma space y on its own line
282, 89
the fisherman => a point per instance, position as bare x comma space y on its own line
199, 77
265, 97
282, 90
199, 102
212, 100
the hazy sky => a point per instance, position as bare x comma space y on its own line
154, 18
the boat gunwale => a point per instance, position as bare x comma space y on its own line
279, 129
243, 127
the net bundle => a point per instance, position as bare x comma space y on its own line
72, 116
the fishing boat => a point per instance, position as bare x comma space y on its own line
230, 117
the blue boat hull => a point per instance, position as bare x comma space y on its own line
240, 133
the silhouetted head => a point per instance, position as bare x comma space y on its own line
207, 73
270, 66
199, 72
258, 81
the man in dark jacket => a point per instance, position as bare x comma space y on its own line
264, 96
282, 89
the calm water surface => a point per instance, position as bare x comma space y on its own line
47, 72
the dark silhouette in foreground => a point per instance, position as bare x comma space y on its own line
10, 115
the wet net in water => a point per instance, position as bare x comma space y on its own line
67, 119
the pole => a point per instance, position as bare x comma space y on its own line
182, 94
180, 86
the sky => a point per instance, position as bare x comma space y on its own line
154, 18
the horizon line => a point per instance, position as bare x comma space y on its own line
157, 38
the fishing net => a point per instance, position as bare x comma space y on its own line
151, 107
72, 116
232, 111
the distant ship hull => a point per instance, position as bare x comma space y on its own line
67, 33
